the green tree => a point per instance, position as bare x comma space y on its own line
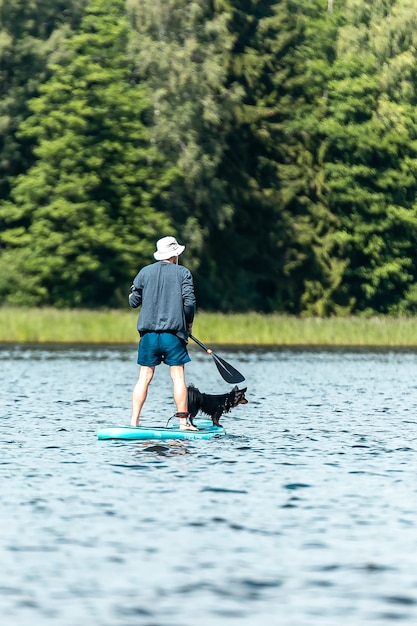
82, 219
272, 180
30, 32
181, 50
224, 80
370, 161
346, 161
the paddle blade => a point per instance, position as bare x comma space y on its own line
226, 371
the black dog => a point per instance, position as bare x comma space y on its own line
214, 405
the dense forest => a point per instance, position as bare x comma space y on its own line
277, 139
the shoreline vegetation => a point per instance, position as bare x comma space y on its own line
82, 326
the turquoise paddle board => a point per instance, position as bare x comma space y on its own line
206, 430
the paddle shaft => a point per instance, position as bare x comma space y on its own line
201, 344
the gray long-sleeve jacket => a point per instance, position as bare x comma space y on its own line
166, 293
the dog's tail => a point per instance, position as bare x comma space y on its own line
194, 400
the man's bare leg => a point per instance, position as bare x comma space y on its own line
180, 394
140, 392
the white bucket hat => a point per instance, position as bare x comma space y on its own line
166, 248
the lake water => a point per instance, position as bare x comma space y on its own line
304, 514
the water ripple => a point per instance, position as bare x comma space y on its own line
304, 514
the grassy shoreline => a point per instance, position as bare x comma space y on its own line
48, 325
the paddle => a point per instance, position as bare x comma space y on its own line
227, 372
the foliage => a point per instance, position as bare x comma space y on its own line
181, 50
269, 164
277, 139
370, 164
79, 221
31, 32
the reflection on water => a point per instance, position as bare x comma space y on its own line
303, 515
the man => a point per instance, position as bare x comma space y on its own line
166, 292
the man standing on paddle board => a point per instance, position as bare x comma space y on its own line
165, 290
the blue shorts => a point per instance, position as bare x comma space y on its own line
155, 348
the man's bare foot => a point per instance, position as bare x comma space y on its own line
188, 426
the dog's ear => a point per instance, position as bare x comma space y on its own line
239, 397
